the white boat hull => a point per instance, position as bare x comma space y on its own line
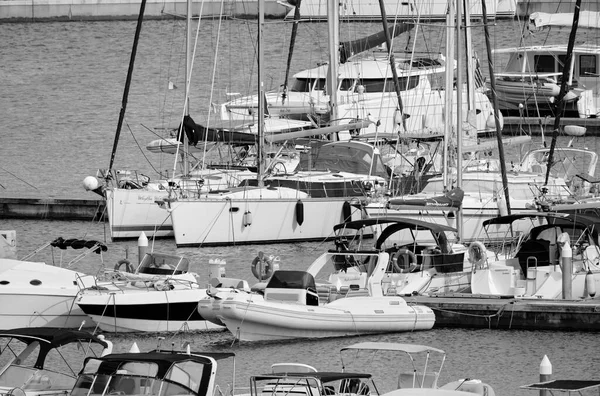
131, 212
209, 222
250, 318
39, 295
145, 310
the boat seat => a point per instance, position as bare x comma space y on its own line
417, 380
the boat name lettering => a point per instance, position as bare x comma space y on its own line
145, 198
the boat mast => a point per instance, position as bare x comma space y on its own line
459, 118
560, 106
333, 21
450, 23
261, 94
188, 63
291, 51
388, 42
136, 39
488, 47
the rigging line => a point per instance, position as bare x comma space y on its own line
140, 148
212, 83
18, 178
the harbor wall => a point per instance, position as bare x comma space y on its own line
80, 10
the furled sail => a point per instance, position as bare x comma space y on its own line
350, 48
450, 200
228, 132
588, 19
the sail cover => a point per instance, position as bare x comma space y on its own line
588, 19
451, 199
227, 132
350, 48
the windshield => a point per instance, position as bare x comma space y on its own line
163, 264
343, 158
34, 379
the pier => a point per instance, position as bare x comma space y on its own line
471, 311
52, 208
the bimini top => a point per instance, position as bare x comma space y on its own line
399, 222
53, 336
109, 364
323, 376
392, 346
49, 338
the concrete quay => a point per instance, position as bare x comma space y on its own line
52, 209
472, 311
79, 10
96, 10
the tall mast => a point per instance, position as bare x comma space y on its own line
333, 21
261, 94
449, 88
136, 39
459, 118
188, 67
563, 87
488, 46
388, 42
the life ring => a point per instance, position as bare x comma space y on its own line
477, 254
127, 263
408, 267
262, 264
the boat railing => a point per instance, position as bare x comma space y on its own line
418, 380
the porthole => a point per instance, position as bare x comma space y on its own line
35, 282
4, 282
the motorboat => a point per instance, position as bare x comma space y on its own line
532, 77
297, 206
346, 285
39, 294
45, 360
366, 92
160, 295
301, 379
152, 373
530, 261
417, 368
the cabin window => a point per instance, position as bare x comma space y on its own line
346, 84
544, 64
308, 84
588, 65
387, 85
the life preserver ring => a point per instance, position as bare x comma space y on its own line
407, 267
477, 254
128, 266
262, 268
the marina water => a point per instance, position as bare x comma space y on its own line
62, 86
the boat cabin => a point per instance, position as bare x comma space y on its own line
163, 264
550, 59
153, 373
25, 352
315, 383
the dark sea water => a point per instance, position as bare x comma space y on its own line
61, 88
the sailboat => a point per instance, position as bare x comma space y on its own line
300, 207
483, 188
533, 73
130, 196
